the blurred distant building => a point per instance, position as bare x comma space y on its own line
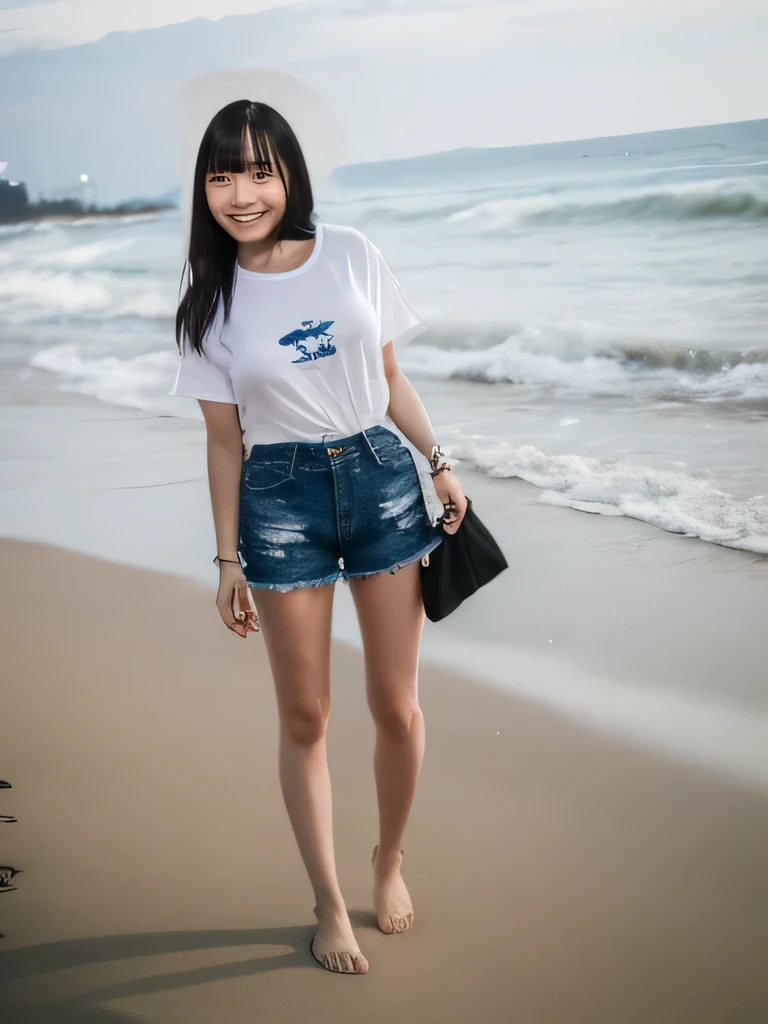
13, 198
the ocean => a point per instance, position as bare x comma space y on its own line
596, 314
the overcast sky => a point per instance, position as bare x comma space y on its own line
33, 24
403, 77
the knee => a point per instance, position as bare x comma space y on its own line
396, 719
304, 725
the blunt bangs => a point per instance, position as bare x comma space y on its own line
227, 148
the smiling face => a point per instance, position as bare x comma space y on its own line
250, 203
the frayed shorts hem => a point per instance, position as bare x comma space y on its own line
399, 565
343, 575
285, 587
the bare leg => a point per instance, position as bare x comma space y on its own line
297, 631
391, 615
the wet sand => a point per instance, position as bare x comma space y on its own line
558, 875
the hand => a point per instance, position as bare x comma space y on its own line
454, 501
235, 601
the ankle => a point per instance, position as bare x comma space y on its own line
387, 859
330, 907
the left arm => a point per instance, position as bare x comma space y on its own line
408, 412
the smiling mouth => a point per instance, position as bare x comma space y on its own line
245, 218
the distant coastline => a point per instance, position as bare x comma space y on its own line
15, 207
67, 210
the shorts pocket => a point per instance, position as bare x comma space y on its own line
390, 449
263, 472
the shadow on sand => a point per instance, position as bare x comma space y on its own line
55, 958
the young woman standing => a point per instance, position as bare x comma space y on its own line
322, 466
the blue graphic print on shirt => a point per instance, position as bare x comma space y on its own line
312, 340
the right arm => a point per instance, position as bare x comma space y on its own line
225, 465
207, 379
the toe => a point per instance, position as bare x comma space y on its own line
342, 963
400, 923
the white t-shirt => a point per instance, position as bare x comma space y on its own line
300, 354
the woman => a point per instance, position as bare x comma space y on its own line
322, 466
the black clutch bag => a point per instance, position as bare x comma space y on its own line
464, 562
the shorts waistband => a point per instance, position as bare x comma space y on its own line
362, 436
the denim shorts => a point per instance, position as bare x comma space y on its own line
314, 512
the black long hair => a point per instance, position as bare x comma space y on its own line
209, 270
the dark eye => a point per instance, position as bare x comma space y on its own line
218, 177
264, 173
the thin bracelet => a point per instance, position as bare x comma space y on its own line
234, 561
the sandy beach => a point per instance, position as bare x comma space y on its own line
587, 842
557, 875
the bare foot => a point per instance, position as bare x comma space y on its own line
394, 910
334, 945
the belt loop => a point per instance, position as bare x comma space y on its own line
375, 454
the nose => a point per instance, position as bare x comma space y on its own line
243, 193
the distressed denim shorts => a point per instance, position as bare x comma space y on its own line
314, 512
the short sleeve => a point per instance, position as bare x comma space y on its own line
397, 320
205, 376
